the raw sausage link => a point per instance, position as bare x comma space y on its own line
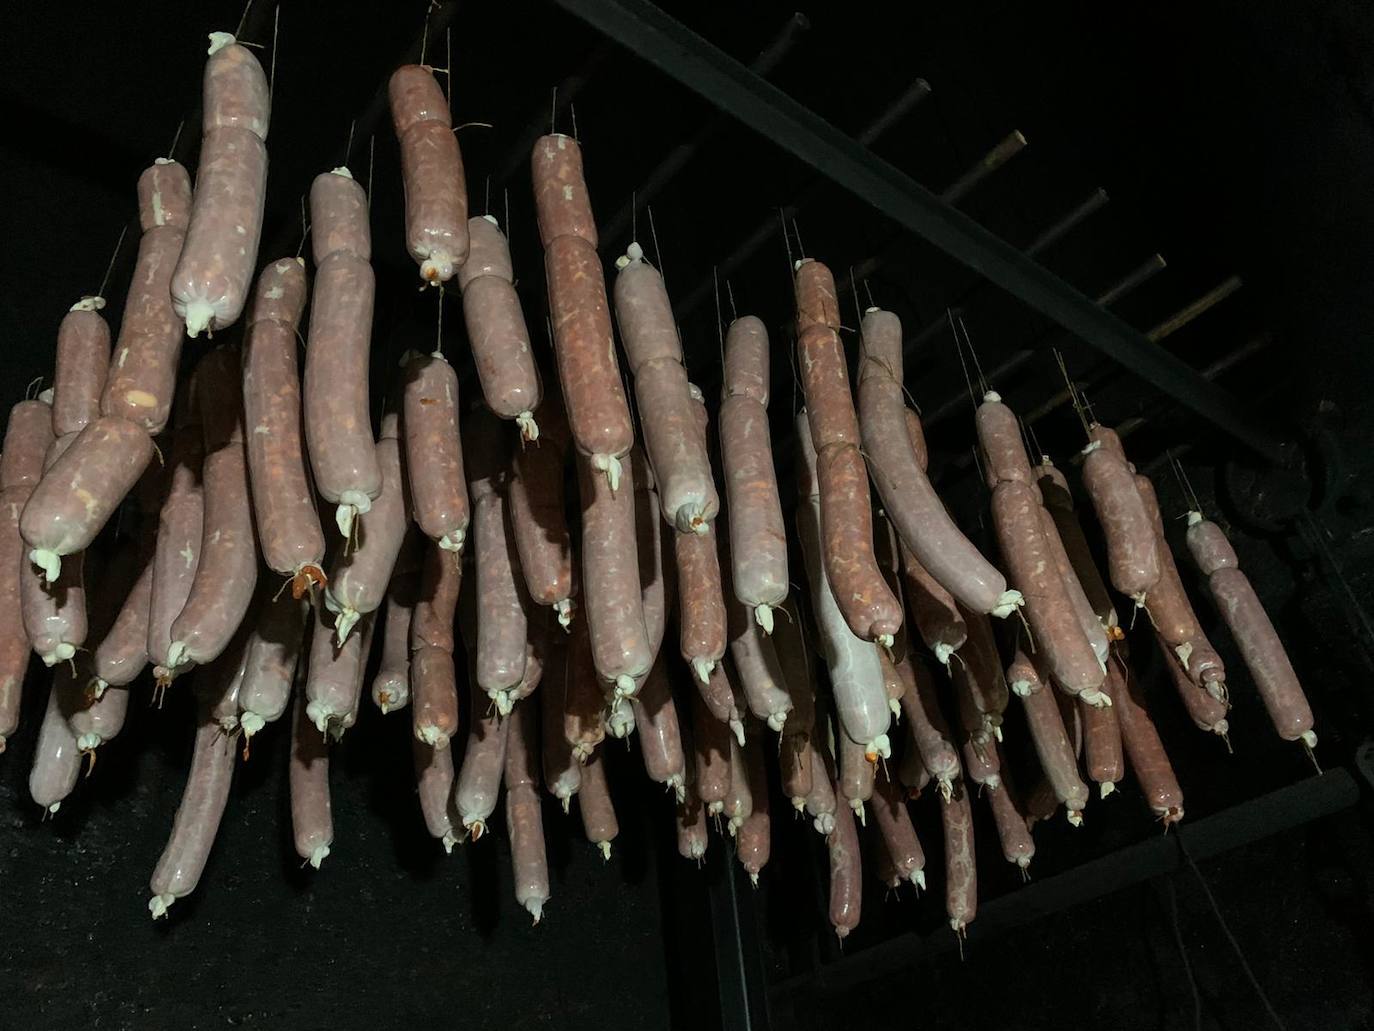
711, 740
897, 832
83, 361
1021, 533
588, 371
562, 773
283, 499
999, 439
1053, 748
753, 841
854, 664
142, 379
440, 579
610, 579
1017, 844
825, 384
391, 685
502, 628
434, 689
434, 454
339, 222
1054, 492
338, 428
1207, 712
794, 656
1149, 762
436, 195
846, 873
538, 512
360, 577
760, 671
14, 643
701, 601
122, 652
887, 552
818, 303
654, 570
910, 501
479, 779
180, 532
1102, 756
961, 867
524, 815
739, 802
56, 759
312, 821
1092, 627
1207, 544
198, 816
1132, 554
981, 764
582, 727
820, 800
332, 678
434, 785
718, 695
274, 652
560, 190
758, 538
660, 738
856, 773
846, 516
496, 327
692, 833
594, 803
54, 613
28, 435
980, 676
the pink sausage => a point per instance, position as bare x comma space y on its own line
562, 772
701, 602
981, 764
760, 671
198, 816
598, 812
560, 190
496, 327
236, 93
856, 773
654, 569
83, 360
961, 867
332, 684
846, 873
582, 727
28, 435
979, 676
283, 498
610, 580
753, 841
660, 738
538, 512
312, 821
820, 802
739, 801
1167, 603
794, 767
1054, 490
717, 694
434, 689
817, 301
434, 785
598, 414
793, 655
479, 779
692, 833
926, 724
1204, 710
436, 197
434, 455
274, 650
502, 627
1132, 552
1149, 762
122, 652
897, 832
1083, 610
711, 740
14, 642
1017, 844
1102, 755
999, 439
524, 815
180, 531
1017, 517
164, 199
391, 685
56, 759
54, 613
360, 577
1053, 748
440, 579
1208, 545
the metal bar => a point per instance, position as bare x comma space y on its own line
1068, 223
1203, 304
739, 968
994, 159
677, 158
1270, 814
1155, 263
720, 79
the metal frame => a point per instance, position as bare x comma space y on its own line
717, 77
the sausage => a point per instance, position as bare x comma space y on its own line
1021, 533
212, 276
273, 653
434, 454
1205, 711
820, 800
610, 579
1208, 545
979, 678
718, 695
361, 575
1054, 492
198, 816
961, 867
702, 628
524, 815
562, 772
502, 627
846, 873
999, 440
818, 303
618, 718
594, 803
1132, 552
28, 435
434, 689
677, 451
312, 821
692, 835
14, 642
538, 512
496, 327
758, 536
887, 552
436, 195
141, 382
598, 414
391, 685
1102, 754
981, 764
82, 489
479, 778
582, 727
760, 671
926, 726
82, 363
916, 511
654, 569
122, 652
753, 841
1087, 618
54, 613
711, 741
1145, 751
434, 785
560, 190
432, 621
1256, 638
856, 773
897, 833
1052, 746
793, 656
227, 571
180, 532
660, 738
854, 664
739, 801
1017, 844
332, 677
283, 499
56, 758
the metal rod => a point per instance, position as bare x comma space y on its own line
994, 159
1154, 263
677, 158
1188, 313
1068, 223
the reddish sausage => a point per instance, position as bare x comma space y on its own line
999, 440
391, 685
83, 361
582, 727
210, 284
961, 867
792, 652
692, 834
560, 190
711, 741
479, 779
927, 727
496, 328
1207, 712
1017, 844
432, 622
1132, 553
1054, 491
56, 758
760, 671
739, 801
897, 833
180, 532
846, 874
14, 642
1092, 627
524, 815
436, 195
1102, 754
981, 764
434, 455
598, 414
434, 785
753, 841
283, 499
817, 301
54, 613
660, 738
1052, 746
312, 821
1149, 762
653, 568
910, 501
820, 800
434, 689
701, 602
856, 773
978, 676
274, 651
122, 652
718, 695
28, 435
598, 813
538, 512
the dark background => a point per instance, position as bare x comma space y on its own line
1235, 139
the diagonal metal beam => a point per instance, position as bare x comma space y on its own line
720, 79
